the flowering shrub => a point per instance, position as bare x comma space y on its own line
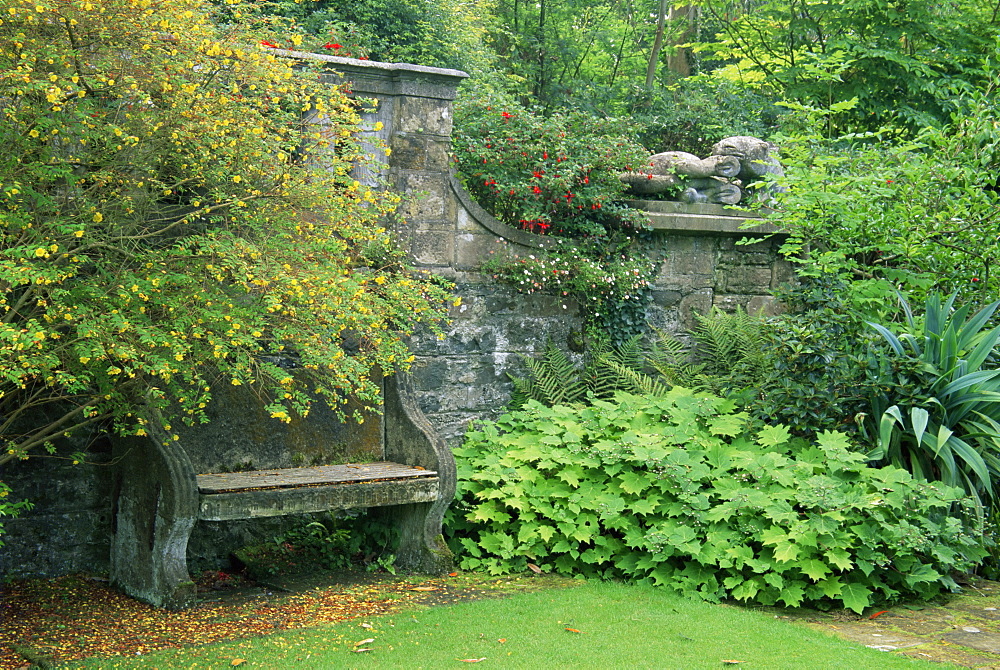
554, 176
611, 292
170, 219
558, 176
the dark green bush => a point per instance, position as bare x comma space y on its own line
683, 491
820, 357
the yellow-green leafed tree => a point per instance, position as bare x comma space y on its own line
171, 218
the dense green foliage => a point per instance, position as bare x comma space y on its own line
819, 354
908, 64
444, 33
918, 214
687, 492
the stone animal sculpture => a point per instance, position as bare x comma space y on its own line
722, 178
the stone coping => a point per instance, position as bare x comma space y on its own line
374, 64
495, 225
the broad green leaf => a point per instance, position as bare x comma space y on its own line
792, 595
856, 597
729, 425
839, 558
788, 551
745, 591
646, 505
815, 569
772, 436
634, 482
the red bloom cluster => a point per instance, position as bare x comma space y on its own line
265, 43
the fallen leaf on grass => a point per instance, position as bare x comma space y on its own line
237, 662
502, 640
878, 614
534, 568
573, 630
358, 651
424, 588
729, 661
471, 660
453, 574
366, 625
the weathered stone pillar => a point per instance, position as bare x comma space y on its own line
413, 104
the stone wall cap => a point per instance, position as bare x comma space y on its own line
401, 68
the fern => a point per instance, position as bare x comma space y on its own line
602, 370
728, 355
732, 347
670, 359
636, 382
552, 380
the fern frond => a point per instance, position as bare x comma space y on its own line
552, 380
604, 379
636, 382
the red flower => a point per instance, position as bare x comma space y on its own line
536, 189
545, 155
537, 174
975, 279
331, 46
505, 115
265, 43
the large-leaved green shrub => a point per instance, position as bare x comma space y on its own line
684, 491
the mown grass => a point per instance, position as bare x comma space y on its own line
593, 625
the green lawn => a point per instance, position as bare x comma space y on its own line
619, 627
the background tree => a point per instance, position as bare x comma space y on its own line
906, 63
177, 211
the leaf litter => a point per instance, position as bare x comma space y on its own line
74, 617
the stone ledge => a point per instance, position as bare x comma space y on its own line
702, 219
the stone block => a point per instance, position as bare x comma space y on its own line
765, 305
738, 256
689, 256
697, 302
472, 250
728, 302
432, 248
429, 197
408, 152
664, 299
438, 154
424, 116
782, 273
745, 279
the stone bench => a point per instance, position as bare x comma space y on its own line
159, 496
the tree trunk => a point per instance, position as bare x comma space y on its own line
677, 58
654, 53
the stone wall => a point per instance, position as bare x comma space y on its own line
464, 375
458, 378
